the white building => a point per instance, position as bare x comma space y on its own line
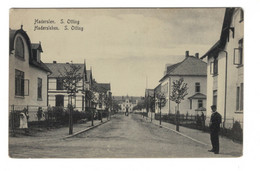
57, 94
27, 74
225, 69
194, 72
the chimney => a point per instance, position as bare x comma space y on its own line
54, 62
197, 55
67, 63
187, 54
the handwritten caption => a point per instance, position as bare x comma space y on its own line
61, 24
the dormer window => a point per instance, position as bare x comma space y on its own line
37, 50
19, 48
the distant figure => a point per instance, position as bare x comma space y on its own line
126, 112
23, 122
203, 119
214, 127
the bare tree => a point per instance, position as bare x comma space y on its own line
70, 78
179, 91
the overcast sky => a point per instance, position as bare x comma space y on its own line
123, 46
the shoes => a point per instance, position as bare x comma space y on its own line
211, 150
216, 152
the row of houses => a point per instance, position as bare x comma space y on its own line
34, 84
214, 78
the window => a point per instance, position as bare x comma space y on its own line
237, 98
59, 100
214, 67
197, 87
190, 103
59, 84
215, 97
200, 103
39, 89
240, 97
19, 83
19, 48
238, 53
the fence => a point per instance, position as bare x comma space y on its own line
51, 116
231, 128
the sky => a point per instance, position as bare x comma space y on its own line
127, 48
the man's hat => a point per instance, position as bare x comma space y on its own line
213, 106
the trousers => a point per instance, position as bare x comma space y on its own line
214, 137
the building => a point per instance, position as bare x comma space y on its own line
103, 96
194, 72
57, 94
225, 69
127, 103
27, 74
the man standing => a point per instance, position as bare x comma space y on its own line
214, 127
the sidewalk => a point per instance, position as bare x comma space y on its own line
56, 133
227, 146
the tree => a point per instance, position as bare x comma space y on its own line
70, 78
161, 101
115, 106
140, 105
179, 91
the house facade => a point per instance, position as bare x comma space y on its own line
27, 74
225, 69
57, 94
194, 72
128, 103
103, 96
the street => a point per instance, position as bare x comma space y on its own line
124, 136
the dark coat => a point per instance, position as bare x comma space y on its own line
215, 122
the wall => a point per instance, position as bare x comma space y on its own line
32, 74
234, 76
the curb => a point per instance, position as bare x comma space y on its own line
181, 134
84, 130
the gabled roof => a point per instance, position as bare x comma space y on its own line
172, 67
198, 96
37, 46
102, 87
59, 68
190, 66
224, 36
33, 62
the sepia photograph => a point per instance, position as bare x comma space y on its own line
126, 82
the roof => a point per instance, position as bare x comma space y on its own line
171, 67
37, 46
102, 87
32, 61
122, 99
89, 75
198, 96
221, 43
190, 66
158, 88
58, 68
